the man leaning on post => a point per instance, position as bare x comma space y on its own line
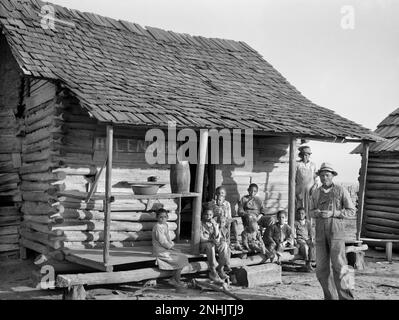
330, 204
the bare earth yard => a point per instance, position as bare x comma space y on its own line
380, 280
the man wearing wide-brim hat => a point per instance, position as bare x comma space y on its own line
305, 179
330, 204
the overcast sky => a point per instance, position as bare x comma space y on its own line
354, 72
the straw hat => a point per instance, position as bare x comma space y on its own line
327, 167
305, 149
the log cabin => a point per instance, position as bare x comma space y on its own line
380, 221
79, 91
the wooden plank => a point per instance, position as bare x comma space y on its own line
108, 193
362, 188
86, 262
291, 182
199, 182
65, 281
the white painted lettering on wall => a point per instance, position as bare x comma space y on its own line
123, 145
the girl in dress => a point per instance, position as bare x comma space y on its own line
167, 257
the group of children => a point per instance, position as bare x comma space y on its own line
219, 235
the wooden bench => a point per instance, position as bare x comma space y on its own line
388, 245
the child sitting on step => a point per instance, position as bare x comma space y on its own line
252, 239
211, 243
167, 257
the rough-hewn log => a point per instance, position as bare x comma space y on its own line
40, 208
44, 176
115, 215
382, 194
42, 238
57, 254
94, 225
43, 219
41, 228
50, 188
88, 171
44, 134
39, 196
9, 239
10, 144
383, 215
9, 178
36, 168
80, 236
8, 247
100, 245
42, 155
9, 230
382, 186
384, 171
384, 202
9, 211
98, 205
9, 186
384, 209
384, 222
384, 179
385, 230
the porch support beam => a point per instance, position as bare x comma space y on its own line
291, 182
362, 188
199, 183
108, 195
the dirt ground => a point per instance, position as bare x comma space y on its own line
379, 281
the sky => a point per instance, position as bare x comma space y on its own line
342, 55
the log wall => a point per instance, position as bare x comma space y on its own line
269, 172
62, 153
381, 212
10, 153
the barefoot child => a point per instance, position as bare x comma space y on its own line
211, 245
167, 258
280, 235
222, 208
304, 237
252, 239
252, 206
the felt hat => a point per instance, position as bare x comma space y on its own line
327, 167
305, 149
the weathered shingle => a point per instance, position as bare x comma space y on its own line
124, 73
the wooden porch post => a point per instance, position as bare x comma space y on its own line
291, 183
107, 201
362, 187
199, 183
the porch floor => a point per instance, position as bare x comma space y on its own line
93, 258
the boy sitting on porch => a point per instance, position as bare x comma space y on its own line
167, 257
252, 206
279, 236
252, 239
211, 244
221, 207
304, 238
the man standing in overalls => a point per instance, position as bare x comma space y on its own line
330, 204
305, 179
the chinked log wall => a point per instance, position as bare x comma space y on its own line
381, 214
269, 172
10, 153
62, 153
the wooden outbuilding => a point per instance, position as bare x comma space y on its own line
77, 98
381, 208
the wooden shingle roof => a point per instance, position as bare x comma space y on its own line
123, 73
388, 129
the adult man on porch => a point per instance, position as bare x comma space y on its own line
330, 204
305, 179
